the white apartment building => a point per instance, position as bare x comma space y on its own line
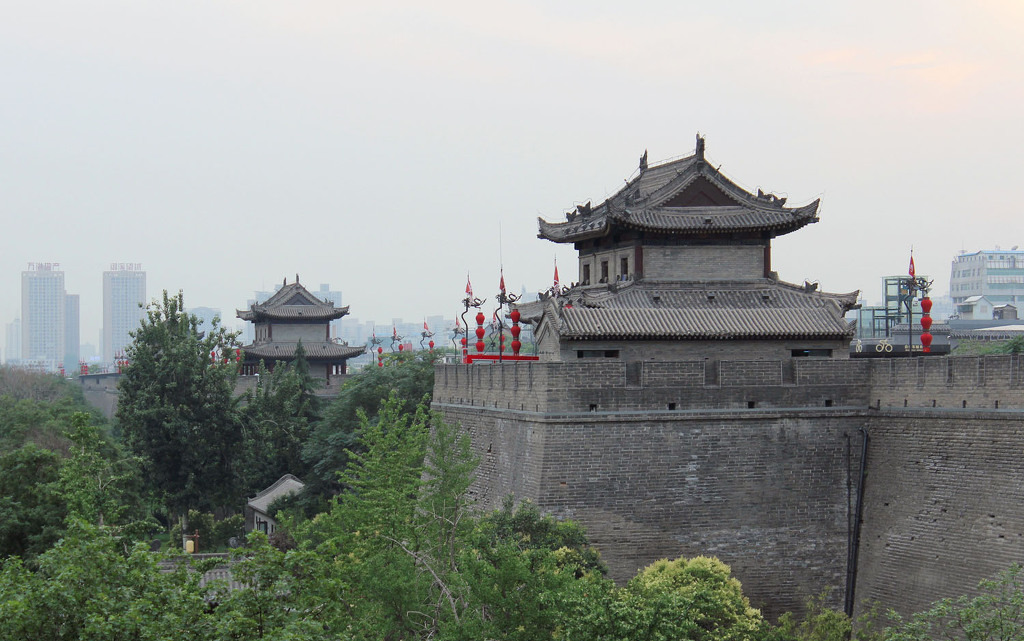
42, 316
124, 300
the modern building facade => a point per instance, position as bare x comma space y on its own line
12, 351
997, 274
43, 326
206, 316
124, 299
72, 338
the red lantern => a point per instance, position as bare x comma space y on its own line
431, 343
463, 341
480, 332
380, 350
515, 346
515, 316
515, 330
480, 346
926, 340
926, 305
480, 318
401, 347
926, 323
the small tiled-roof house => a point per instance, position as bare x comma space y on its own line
257, 509
292, 315
677, 265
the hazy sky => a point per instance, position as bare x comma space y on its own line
380, 146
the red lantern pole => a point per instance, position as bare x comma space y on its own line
380, 357
926, 324
480, 318
516, 329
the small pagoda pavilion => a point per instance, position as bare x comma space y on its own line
292, 315
677, 265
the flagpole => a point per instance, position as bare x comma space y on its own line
910, 305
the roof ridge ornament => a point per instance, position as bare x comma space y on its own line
700, 147
643, 162
770, 198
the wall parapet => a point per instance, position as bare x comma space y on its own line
993, 382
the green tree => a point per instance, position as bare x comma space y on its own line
528, 574
694, 599
822, 623
278, 417
99, 482
32, 510
41, 421
176, 408
92, 586
409, 376
995, 614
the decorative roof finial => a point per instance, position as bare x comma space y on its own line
643, 162
296, 278
700, 146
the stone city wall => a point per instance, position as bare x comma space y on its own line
757, 463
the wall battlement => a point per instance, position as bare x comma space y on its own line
976, 382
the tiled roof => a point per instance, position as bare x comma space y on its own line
727, 310
314, 351
714, 219
287, 484
705, 324
292, 312
292, 302
646, 204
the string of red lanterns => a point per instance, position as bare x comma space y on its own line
926, 324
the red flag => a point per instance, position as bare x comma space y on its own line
469, 287
394, 331
501, 285
556, 275
425, 328
911, 264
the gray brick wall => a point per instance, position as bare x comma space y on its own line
696, 263
755, 461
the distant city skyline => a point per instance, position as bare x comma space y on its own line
390, 149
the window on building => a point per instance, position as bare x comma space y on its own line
624, 268
597, 353
804, 353
586, 274
604, 271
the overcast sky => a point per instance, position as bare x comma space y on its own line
381, 146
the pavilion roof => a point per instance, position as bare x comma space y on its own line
292, 302
314, 351
684, 197
723, 310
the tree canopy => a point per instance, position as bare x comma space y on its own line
176, 407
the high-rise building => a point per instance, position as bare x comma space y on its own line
205, 315
13, 352
124, 299
42, 316
997, 274
325, 293
71, 334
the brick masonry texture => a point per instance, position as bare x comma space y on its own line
757, 462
